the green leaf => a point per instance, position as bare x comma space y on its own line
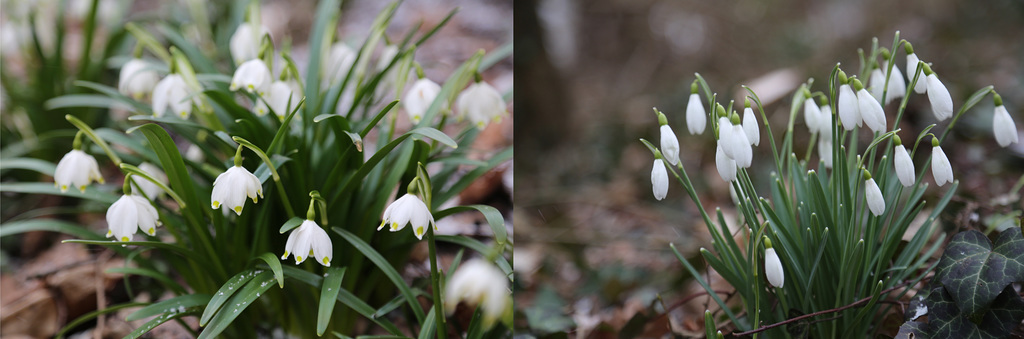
290, 224
436, 135
275, 265
89, 316
52, 225
328, 297
237, 304
344, 296
170, 305
163, 278
384, 266
974, 272
41, 166
185, 252
85, 101
149, 325
115, 95
479, 247
494, 219
226, 291
91, 193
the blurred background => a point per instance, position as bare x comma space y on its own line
592, 253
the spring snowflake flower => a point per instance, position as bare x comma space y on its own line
773, 267
419, 98
338, 62
912, 61
231, 188
76, 169
696, 117
481, 104
283, 97
876, 203
408, 209
903, 163
1003, 126
812, 115
172, 93
870, 109
942, 171
750, 126
130, 213
725, 165
309, 238
136, 79
245, 43
849, 111
150, 189
253, 76
659, 179
478, 282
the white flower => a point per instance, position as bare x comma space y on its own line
741, 146
773, 268
912, 61
871, 111
812, 115
232, 186
938, 96
283, 98
904, 166
477, 282
897, 87
130, 213
877, 82
245, 44
696, 117
726, 166
849, 111
386, 56
825, 151
825, 122
481, 103
253, 76
312, 239
419, 98
942, 171
408, 209
195, 154
874, 197
136, 79
76, 169
725, 137
172, 93
750, 126
659, 179
337, 63
1003, 127
669, 145
150, 189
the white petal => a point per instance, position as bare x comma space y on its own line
877, 84
942, 171
904, 166
477, 282
871, 111
938, 96
122, 218
741, 147
289, 246
849, 110
136, 79
825, 151
696, 117
659, 179
323, 250
1003, 127
150, 189
812, 115
920, 87
419, 98
750, 126
897, 87
669, 145
253, 76
773, 268
725, 137
874, 197
825, 123
726, 166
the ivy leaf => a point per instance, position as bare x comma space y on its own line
974, 272
1006, 312
912, 330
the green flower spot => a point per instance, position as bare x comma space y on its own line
394, 226
298, 258
327, 261
419, 230
151, 231
238, 209
216, 204
125, 239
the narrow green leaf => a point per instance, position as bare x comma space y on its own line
494, 219
89, 316
185, 252
275, 265
344, 296
91, 193
385, 267
163, 278
328, 297
41, 166
226, 291
52, 225
150, 325
479, 247
290, 224
463, 182
115, 95
237, 304
172, 305
85, 101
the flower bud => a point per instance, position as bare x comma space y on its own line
1003, 126
659, 179
773, 267
873, 195
696, 117
942, 171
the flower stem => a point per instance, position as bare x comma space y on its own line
435, 283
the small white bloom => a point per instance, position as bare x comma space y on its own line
750, 126
773, 268
137, 79
904, 166
337, 63
309, 238
253, 76
877, 82
871, 111
669, 145
726, 166
725, 137
245, 44
874, 197
130, 213
659, 179
942, 171
897, 86
408, 209
812, 115
912, 61
195, 154
825, 122
696, 117
481, 103
283, 98
76, 169
172, 93
477, 282
938, 96
150, 189
1003, 127
231, 188
849, 110
825, 151
741, 147
419, 98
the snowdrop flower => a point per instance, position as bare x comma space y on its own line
232, 186
478, 282
76, 169
812, 114
725, 165
148, 188
130, 213
904, 164
408, 209
245, 43
669, 143
912, 61
938, 96
870, 110
873, 195
877, 81
419, 98
1002, 124
773, 266
942, 171
825, 120
309, 238
172, 93
253, 76
897, 87
481, 103
825, 151
696, 117
750, 124
740, 144
136, 80
849, 110
659, 178
338, 62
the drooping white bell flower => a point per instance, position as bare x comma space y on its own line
903, 163
1003, 126
481, 104
477, 282
669, 143
912, 61
659, 179
696, 117
825, 151
870, 109
419, 98
137, 79
253, 76
172, 94
942, 171
130, 213
195, 154
773, 268
148, 188
245, 43
309, 240
897, 86
231, 188
825, 122
725, 137
744, 151
750, 126
812, 115
849, 110
408, 209
876, 84
76, 169
283, 97
336, 65
938, 96
876, 203
725, 165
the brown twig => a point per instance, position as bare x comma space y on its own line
679, 303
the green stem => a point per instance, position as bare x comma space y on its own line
273, 172
94, 137
435, 283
